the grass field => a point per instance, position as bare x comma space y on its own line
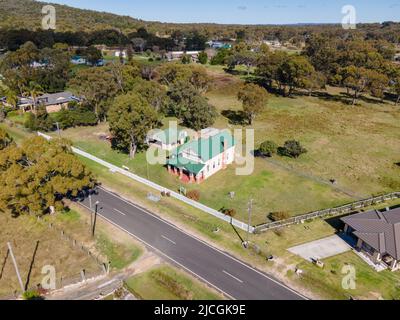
275, 243
271, 187
166, 283
36, 246
110, 243
356, 146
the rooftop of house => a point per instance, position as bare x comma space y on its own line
209, 148
50, 99
380, 230
169, 136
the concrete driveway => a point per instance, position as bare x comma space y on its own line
321, 249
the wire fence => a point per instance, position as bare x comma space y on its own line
73, 279
348, 208
75, 244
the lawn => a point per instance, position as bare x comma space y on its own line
369, 284
35, 245
110, 243
358, 147
273, 242
166, 283
271, 187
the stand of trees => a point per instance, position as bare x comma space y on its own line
36, 176
31, 69
131, 117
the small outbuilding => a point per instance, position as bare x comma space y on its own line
168, 139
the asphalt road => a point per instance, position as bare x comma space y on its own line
234, 278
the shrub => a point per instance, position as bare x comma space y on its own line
194, 195
279, 232
292, 149
279, 216
203, 57
68, 118
268, 148
229, 212
31, 295
172, 285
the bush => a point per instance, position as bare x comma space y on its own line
292, 149
229, 212
75, 117
31, 295
40, 121
203, 57
30, 122
268, 148
279, 216
194, 195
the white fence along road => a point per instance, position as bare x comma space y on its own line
176, 195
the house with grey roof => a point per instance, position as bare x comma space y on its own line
53, 102
378, 235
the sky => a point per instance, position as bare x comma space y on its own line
244, 11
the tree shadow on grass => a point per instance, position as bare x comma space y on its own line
235, 117
4, 263
345, 98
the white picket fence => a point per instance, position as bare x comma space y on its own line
159, 188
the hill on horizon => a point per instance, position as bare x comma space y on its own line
27, 14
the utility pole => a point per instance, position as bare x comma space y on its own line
58, 129
16, 266
250, 208
95, 218
90, 200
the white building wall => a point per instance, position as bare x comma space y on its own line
216, 164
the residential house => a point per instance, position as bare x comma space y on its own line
53, 102
377, 235
120, 53
218, 45
78, 60
168, 139
178, 55
199, 159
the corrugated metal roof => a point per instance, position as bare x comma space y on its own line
209, 148
380, 230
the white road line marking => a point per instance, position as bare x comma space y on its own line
106, 284
120, 212
164, 237
237, 279
200, 240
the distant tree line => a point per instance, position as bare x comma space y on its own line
141, 40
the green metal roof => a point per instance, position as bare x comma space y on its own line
209, 148
206, 149
183, 163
